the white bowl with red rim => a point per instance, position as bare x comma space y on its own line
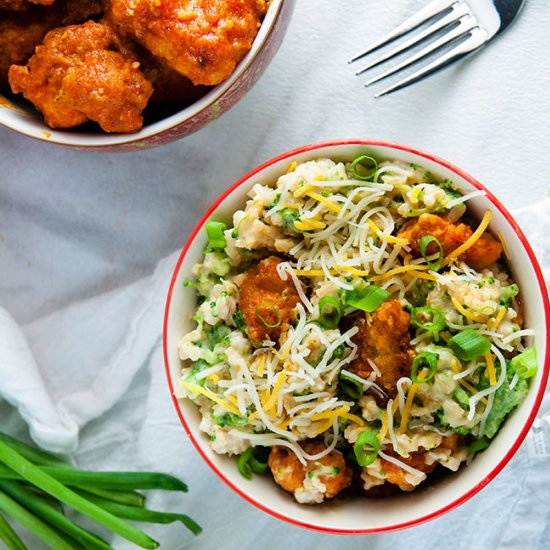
360, 515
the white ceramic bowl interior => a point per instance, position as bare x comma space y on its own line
362, 515
29, 123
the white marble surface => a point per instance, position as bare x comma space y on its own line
74, 225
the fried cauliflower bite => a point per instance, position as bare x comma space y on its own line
268, 303
79, 74
315, 482
201, 39
20, 5
20, 33
482, 254
398, 476
385, 340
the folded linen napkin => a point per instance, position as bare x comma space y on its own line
97, 385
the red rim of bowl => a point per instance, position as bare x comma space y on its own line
542, 286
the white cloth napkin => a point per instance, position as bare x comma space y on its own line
117, 399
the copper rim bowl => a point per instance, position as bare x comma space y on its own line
183, 123
360, 515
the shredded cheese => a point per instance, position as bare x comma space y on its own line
463, 382
270, 404
391, 239
212, 396
302, 190
309, 225
460, 308
491, 368
504, 247
292, 167
329, 204
474, 237
401, 269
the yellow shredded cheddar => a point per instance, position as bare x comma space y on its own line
292, 167
324, 426
491, 368
329, 204
309, 225
504, 247
465, 384
474, 237
310, 273
331, 414
376, 230
303, 190
270, 404
353, 418
397, 270
212, 396
460, 308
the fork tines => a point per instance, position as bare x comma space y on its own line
449, 21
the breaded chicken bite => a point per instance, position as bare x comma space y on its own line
385, 340
268, 303
315, 482
201, 39
79, 74
482, 254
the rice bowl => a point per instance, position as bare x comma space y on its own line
345, 515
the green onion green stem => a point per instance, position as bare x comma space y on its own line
366, 448
349, 386
468, 345
130, 498
9, 537
216, 238
423, 245
121, 481
428, 319
53, 487
50, 515
421, 361
371, 298
32, 523
146, 516
330, 311
36, 456
364, 167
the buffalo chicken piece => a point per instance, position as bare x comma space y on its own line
80, 74
385, 340
268, 303
201, 39
20, 5
318, 480
485, 251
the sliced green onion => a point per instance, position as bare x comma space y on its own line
468, 345
9, 537
366, 448
478, 445
423, 360
238, 319
248, 464
216, 238
423, 244
525, 364
428, 319
53, 517
351, 387
330, 311
51, 486
361, 161
507, 293
270, 307
145, 515
371, 299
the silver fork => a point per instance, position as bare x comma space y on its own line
461, 26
